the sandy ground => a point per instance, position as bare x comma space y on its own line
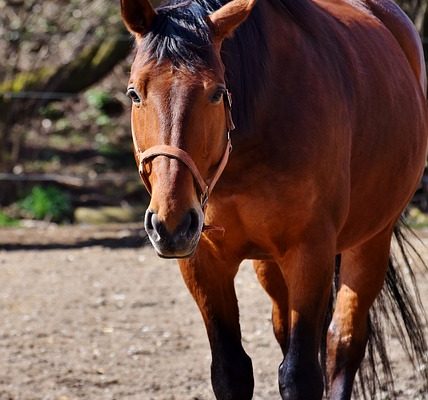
91, 314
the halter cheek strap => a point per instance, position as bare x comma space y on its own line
205, 187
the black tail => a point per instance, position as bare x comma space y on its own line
398, 311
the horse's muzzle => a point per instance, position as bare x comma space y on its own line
180, 243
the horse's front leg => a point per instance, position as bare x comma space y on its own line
308, 271
210, 279
270, 277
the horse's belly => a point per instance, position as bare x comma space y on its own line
382, 190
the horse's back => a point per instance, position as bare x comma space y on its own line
405, 33
396, 21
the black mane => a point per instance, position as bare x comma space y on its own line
180, 34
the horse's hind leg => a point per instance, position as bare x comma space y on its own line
362, 274
270, 277
210, 281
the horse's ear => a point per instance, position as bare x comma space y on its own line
138, 15
225, 20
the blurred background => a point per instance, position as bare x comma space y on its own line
65, 143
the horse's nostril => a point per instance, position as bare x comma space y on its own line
183, 229
194, 221
186, 231
154, 226
148, 220
158, 226
178, 242
189, 225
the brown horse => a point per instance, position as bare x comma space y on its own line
330, 143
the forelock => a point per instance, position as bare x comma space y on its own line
181, 35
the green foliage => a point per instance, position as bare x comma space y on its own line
47, 203
97, 98
102, 120
6, 221
103, 106
52, 111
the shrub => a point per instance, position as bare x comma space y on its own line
47, 203
5, 220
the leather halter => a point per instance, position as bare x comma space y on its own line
205, 186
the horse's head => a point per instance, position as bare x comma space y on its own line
180, 113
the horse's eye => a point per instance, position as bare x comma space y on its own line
133, 95
218, 95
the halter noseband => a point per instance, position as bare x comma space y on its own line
145, 157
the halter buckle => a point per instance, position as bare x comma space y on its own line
228, 109
204, 197
228, 98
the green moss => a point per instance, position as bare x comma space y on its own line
26, 80
104, 51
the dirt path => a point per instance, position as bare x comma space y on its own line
103, 323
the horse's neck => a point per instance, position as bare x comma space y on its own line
252, 67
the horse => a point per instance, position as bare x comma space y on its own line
325, 103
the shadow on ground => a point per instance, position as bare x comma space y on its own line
52, 237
